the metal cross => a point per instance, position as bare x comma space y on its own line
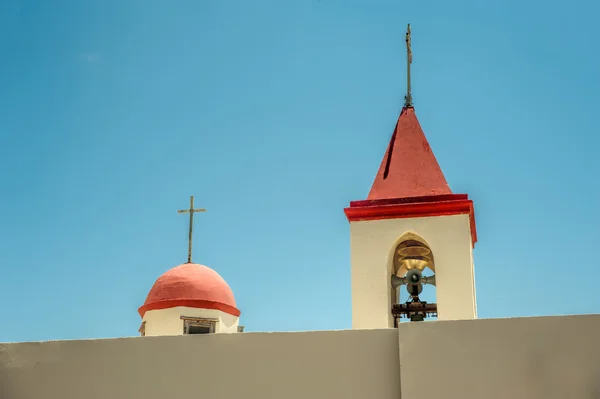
408, 98
191, 211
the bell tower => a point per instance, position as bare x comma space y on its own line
411, 233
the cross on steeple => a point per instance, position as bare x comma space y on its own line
408, 97
191, 211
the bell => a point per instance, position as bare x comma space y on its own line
414, 256
414, 263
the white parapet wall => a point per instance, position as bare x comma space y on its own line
522, 358
323, 364
519, 358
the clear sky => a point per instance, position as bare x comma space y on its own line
275, 114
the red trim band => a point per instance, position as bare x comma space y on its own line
415, 207
190, 303
409, 200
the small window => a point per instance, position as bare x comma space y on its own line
194, 328
142, 329
198, 326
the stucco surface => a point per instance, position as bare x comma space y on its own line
519, 358
324, 364
532, 358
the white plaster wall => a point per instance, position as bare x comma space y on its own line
372, 244
522, 358
518, 358
352, 364
169, 322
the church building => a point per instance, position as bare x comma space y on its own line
410, 234
409, 222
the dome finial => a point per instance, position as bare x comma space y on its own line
191, 211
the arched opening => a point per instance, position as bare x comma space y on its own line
412, 273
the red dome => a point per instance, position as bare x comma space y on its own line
191, 285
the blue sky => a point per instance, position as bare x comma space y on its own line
276, 114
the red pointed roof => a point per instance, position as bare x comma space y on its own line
409, 168
410, 183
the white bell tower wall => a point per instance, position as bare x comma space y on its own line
372, 244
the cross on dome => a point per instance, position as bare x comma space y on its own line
191, 211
